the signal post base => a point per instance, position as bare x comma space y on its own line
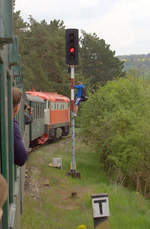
74, 173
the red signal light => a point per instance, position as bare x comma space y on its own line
72, 50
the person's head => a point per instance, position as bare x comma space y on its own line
27, 108
17, 95
79, 82
3, 193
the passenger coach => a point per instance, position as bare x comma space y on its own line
51, 115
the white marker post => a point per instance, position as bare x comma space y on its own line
100, 205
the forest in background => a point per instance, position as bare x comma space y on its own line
42, 50
140, 64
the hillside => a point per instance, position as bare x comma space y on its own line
140, 62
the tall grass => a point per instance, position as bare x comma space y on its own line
54, 208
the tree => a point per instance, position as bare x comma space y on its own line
42, 47
98, 62
118, 117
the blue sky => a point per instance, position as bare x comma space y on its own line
124, 24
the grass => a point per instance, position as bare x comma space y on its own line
51, 206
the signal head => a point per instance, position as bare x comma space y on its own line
72, 46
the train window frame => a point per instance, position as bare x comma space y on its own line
57, 106
52, 106
37, 111
33, 112
41, 110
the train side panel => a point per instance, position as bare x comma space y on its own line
59, 113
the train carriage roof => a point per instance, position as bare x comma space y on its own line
51, 96
33, 98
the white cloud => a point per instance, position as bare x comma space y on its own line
126, 27
124, 24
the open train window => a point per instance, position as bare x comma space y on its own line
40, 111
41, 106
37, 111
47, 104
33, 114
43, 111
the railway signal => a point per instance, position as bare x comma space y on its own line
71, 60
72, 41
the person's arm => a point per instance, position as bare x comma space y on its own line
27, 119
20, 153
77, 86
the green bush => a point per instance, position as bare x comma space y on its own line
116, 120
